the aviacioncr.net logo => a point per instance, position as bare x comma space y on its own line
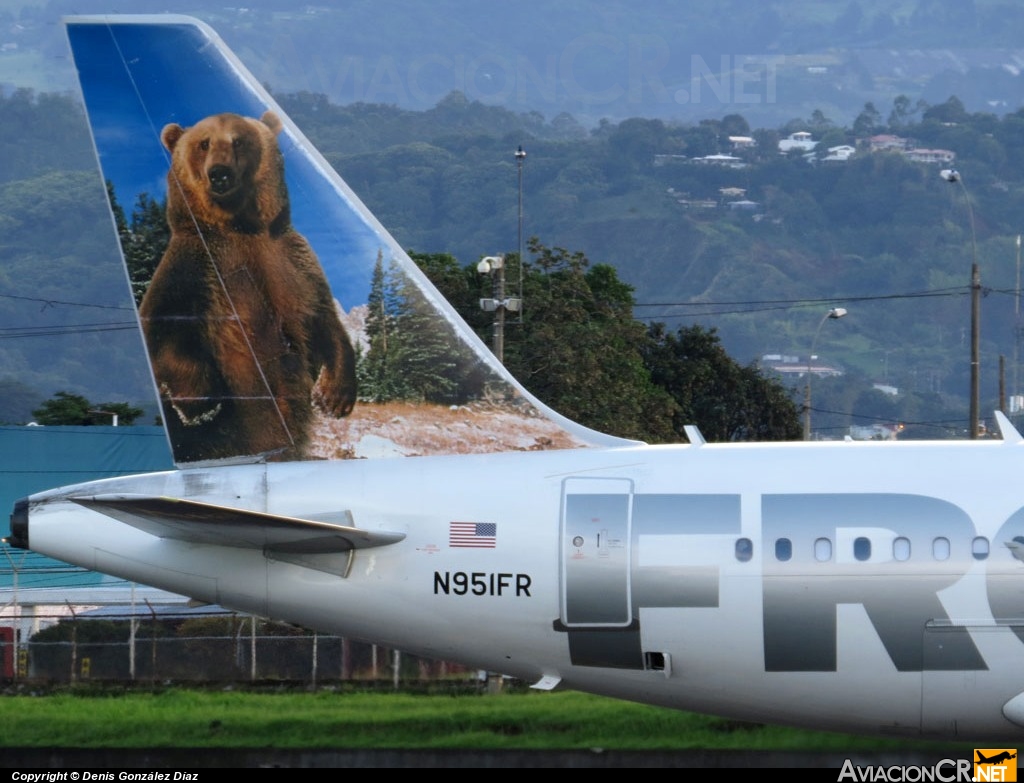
944, 771
995, 764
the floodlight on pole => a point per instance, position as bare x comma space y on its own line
834, 314
499, 303
953, 177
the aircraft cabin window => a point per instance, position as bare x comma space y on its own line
783, 549
979, 548
823, 550
744, 549
901, 549
940, 548
862, 548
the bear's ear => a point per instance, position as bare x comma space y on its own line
170, 135
272, 121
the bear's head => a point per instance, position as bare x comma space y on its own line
227, 172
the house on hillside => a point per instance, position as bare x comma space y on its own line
789, 366
801, 140
729, 161
885, 142
744, 205
930, 156
839, 154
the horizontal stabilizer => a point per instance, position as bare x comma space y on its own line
1007, 430
207, 523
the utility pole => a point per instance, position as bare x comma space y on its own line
953, 176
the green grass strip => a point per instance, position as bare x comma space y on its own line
335, 719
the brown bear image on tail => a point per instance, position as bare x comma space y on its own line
239, 320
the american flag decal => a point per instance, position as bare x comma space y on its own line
476, 535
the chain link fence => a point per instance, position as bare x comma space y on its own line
221, 649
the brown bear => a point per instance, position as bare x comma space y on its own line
239, 320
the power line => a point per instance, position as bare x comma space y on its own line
764, 305
12, 332
53, 302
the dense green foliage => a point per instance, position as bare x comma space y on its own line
74, 409
42, 133
579, 348
730, 402
879, 234
66, 318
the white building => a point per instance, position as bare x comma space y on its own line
842, 153
801, 140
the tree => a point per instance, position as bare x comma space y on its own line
903, 113
375, 373
766, 144
66, 408
410, 355
952, 111
144, 238
726, 401
869, 121
428, 356
579, 348
735, 125
819, 123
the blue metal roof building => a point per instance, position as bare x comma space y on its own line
34, 458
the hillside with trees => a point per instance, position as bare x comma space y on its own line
612, 59
878, 233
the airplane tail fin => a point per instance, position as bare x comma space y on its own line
281, 320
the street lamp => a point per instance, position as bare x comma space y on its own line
834, 314
953, 176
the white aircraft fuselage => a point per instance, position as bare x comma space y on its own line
653, 573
